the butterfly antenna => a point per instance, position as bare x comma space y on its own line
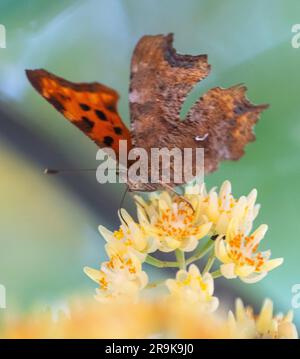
121, 205
139, 203
171, 189
55, 171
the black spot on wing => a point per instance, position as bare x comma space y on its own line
101, 115
111, 108
84, 107
108, 141
118, 130
85, 124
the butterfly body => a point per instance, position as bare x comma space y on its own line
221, 121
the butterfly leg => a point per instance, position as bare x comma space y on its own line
121, 205
171, 189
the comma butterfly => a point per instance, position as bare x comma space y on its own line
221, 121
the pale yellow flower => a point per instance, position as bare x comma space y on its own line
115, 319
245, 324
173, 222
221, 208
158, 318
191, 288
130, 235
120, 277
240, 257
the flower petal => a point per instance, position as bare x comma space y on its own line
94, 274
272, 264
221, 251
106, 233
254, 277
244, 271
265, 318
227, 270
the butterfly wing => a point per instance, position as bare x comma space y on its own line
160, 81
92, 107
221, 122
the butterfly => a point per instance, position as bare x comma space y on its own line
221, 121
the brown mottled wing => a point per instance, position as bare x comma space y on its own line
221, 122
160, 81
92, 107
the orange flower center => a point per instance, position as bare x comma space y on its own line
177, 222
243, 252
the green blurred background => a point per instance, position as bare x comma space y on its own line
48, 225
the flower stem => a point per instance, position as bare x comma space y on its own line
210, 262
160, 264
200, 252
180, 258
216, 274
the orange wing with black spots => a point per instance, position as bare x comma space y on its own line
92, 107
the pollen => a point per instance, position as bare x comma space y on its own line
103, 283
178, 223
119, 234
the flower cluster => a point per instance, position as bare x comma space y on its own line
173, 221
190, 225
189, 286
122, 276
245, 324
161, 319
